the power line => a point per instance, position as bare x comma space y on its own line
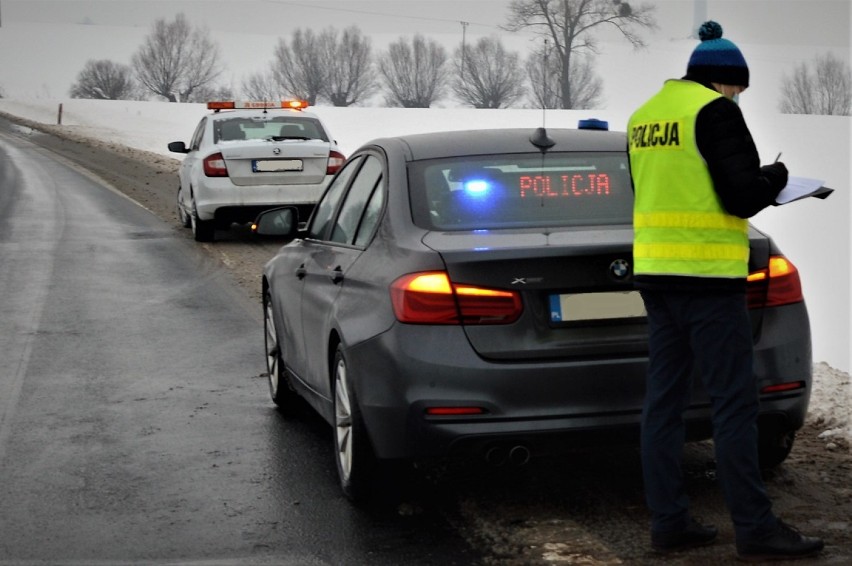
372, 13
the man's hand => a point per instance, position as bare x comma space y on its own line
776, 174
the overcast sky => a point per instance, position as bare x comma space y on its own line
809, 22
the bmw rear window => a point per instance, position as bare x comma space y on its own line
521, 191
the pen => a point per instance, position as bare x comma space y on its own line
777, 158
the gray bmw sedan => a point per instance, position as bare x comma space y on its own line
471, 293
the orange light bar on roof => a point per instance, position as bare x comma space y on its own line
221, 105
293, 104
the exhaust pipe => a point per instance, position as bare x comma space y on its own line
496, 456
519, 455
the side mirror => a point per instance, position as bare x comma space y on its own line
279, 222
178, 147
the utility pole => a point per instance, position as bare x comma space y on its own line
544, 96
699, 16
464, 49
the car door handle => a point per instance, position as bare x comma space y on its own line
301, 271
337, 275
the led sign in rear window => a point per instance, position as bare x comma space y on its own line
522, 191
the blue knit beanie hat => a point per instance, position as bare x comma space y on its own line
717, 60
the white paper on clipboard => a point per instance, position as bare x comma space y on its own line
802, 187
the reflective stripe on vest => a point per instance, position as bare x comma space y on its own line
680, 226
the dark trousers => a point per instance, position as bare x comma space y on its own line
711, 332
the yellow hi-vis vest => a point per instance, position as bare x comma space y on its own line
680, 225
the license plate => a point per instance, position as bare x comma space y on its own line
276, 165
596, 306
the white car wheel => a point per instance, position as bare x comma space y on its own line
203, 230
183, 217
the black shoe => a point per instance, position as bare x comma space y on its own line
695, 534
783, 543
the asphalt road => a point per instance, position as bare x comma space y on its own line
135, 424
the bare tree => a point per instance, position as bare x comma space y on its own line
544, 70
298, 68
210, 92
176, 59
347, 59
261, 86
414, 72
103, 79
487, 76
827, 90
569, 25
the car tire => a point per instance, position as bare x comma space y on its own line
774, 446
203, 230
356, 462
280, 389
184, 218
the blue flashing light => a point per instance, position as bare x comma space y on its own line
476, 187
593, 124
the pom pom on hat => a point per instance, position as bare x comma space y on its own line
717, 60
709, 30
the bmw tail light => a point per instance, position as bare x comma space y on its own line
335, 162
431, 298
776, 285
487, 306
214, 166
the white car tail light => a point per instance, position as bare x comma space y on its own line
335, 162
214, 166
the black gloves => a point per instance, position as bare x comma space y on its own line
776, 174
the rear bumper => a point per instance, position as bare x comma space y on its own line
547, 406
404, 371
220, 193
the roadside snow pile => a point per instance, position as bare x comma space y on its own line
831, 404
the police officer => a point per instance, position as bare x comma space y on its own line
697, 178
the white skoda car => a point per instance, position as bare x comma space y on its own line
247, 157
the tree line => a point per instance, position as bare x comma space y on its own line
181, 63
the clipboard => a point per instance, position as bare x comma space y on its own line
798, 188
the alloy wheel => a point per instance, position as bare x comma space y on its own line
271, 343
343, 419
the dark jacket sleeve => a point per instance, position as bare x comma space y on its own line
731, 156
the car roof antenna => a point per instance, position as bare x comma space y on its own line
540, 139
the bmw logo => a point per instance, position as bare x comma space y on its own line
276, 150
619, 269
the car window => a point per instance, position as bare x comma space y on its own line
195, 142
328, 203
303, 128
371, 214
521, 190
266, 126
230, 130
356, 201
